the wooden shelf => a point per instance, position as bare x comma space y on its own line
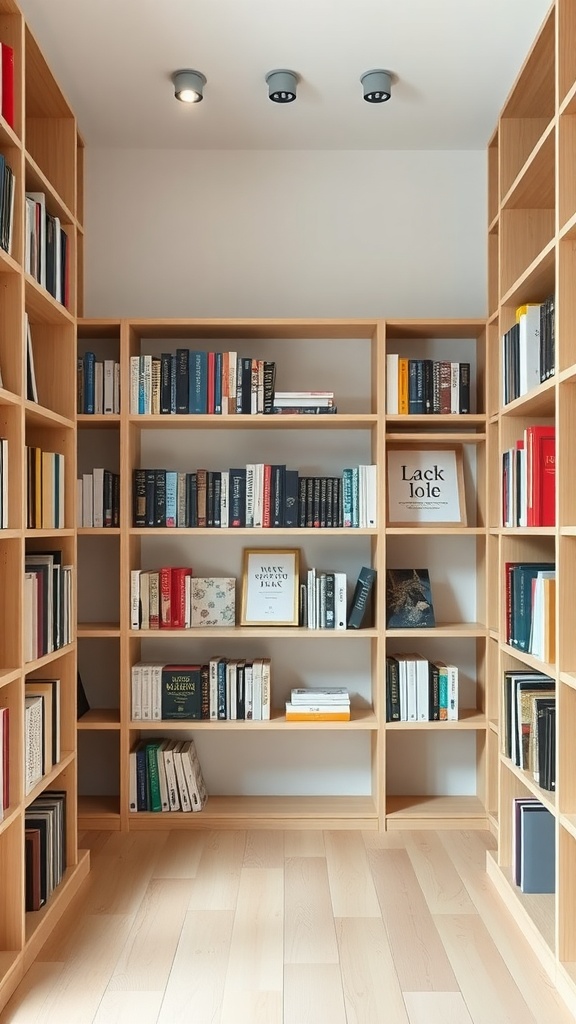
361, 718
294, 421
269, 812
100, 718
270, 533
110, 421
470, 718
529, 660
534, 912
292, 632
526, 778
541, 401
91, 630
437, 812
444, 629
47, 780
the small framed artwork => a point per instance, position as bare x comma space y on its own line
270, 587
426, 485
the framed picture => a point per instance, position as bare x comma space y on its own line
425, 485
270, 587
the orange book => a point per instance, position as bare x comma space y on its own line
549, 620
403, 387
317, 713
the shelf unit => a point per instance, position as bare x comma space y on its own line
331, 775
41, 151
531, 254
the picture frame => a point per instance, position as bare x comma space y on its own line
425, 485
270, 587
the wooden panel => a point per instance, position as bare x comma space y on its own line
309, 935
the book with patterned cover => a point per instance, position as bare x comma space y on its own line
213, 601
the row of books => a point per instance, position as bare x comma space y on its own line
45, 481
46, 255
172, 598
165, 775
48, 622
42, 728
6, 205
528, 731
98, 499
4, 473
4, 760
417, 386
221, 689
324, 599
97, 385
530, 608
529, 479
318, 704
418, 690
255, 495
533, 846
188, 381
528, 349
45, 847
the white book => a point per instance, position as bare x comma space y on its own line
146, 670
213, 687
98, 496
108, 386
39, 234
224, 499
528, 346
33, 396
362, 496
258, 493
250, 495
266, 689
257, 689
232, 380
144, 600
403, 686
171, 780
79, 504
136, 683
30, 617
452, 693
371, 496
162, 780
422, 689
340, 600
454, 387
248, 692
117, 388
134, 385
146, 371
190, 776
392, 384
135, 599
319, 695
33, 736
185, 800
231, 693
87, 500
156, 690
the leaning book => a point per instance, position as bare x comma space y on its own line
409, 599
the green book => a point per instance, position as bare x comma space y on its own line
153, 778
181, 692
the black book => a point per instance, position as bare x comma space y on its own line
246, 372
434, 692
82, 703
116, 498
392, 690
217, 500
209, 497
269, 386
108, 497
278, 487
290, 514
139, 494
464, 387
310, 486
192, 499
428, 384
361, 598
160, 497
330, 598
182, 380
240, 690
415, 386
165, 382
150, 497
302, 489
237, 497
181, 692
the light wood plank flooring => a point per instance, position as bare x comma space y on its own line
266, 927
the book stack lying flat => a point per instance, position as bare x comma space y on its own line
319, 704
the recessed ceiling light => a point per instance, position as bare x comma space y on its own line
188, 85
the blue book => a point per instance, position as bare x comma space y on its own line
221, 679
218, 383
198, 393
347, 497
355, 497
171, 497
89, 371
173, 375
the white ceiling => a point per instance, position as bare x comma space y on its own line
453, 63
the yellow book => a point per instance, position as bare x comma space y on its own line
317, 713
403, 387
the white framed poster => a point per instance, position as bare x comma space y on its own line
425, 485
270, 587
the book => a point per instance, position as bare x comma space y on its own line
213, 601
330, 712
537, 849
319, 695
361, 598
409, 599
181, 692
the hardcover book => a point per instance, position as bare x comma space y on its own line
213, 601
409, 599
181, 692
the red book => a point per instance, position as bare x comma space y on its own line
541, 470
165, 598
8, 84
178, 596
267, 496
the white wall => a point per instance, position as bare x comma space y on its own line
343, 234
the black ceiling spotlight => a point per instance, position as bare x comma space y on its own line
377, 86
282, 85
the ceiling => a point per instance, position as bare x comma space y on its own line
453, 63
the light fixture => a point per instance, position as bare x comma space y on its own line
377, 85
282, 85
188, 85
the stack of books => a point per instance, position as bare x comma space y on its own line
319, 704
304, 402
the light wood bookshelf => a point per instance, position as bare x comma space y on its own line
531, 231
41, 151
107, 733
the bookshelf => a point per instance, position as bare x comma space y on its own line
40, 148
531, 230
267, 774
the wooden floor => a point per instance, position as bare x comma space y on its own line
270, 927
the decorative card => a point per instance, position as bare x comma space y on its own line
408, 599
213, 601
